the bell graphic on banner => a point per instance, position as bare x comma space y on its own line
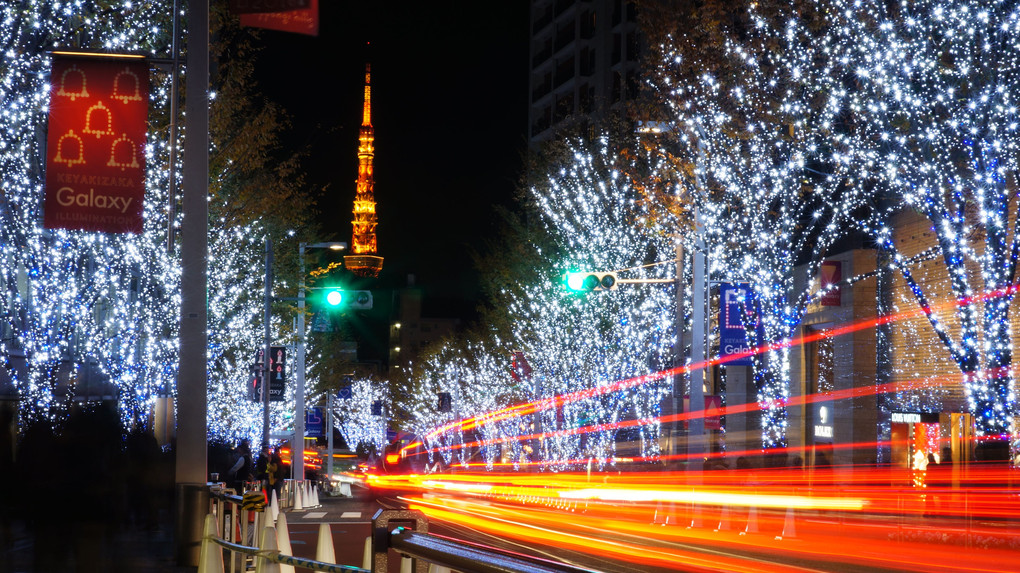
83, 92
93, 121
125, 94
123, 143
70, 161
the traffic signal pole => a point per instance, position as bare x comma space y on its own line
267, 301
699, 316
297, 444
192, 371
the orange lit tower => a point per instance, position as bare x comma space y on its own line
364, 261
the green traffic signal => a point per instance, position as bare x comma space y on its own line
575, 281
335, 297
351, 299
589, 281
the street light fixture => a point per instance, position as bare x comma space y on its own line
298, 443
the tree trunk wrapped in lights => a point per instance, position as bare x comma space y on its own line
111, 301
927, 97
757, 158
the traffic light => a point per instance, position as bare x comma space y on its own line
589, 281
350, 299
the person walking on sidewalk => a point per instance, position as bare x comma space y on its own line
240, 472
274, 474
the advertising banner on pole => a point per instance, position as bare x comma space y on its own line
277, 377
300, 21
732, 334
95, 144
711, 414
315, 425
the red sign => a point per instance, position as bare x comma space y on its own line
830, 274
712, 414
95, 145
303, 21
519, 367
263, 6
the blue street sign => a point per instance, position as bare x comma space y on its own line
732, 334
314, 422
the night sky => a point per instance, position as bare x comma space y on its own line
449, 107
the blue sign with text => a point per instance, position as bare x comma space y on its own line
314, 423
733, 298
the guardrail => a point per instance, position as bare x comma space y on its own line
448, 554
229, 530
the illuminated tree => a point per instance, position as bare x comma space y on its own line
926, 95
363, 418
752, 148
75, 298
476, 375
78, 303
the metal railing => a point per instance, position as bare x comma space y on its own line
229, 531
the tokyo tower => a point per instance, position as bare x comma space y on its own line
364, 262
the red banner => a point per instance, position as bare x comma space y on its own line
95, 145
304, 21
264, 6
712, 414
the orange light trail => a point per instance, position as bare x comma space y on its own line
556, 401
755, 517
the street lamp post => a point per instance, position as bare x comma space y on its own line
297, 445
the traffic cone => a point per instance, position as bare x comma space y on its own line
210, 557
268, 543
298, 506
789, 527
324, 551
366, 556
345, 489
283, 542
274, 507
315, 496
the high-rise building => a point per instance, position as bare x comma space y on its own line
364, 261
585, 59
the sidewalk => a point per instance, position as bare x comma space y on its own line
57, 546
89, 547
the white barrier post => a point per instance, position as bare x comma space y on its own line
283, 542
324, 551
789, 527
345, 489
664, 514
724, 519
268, 543
695, 514
210, 558
405, 565
752, 521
